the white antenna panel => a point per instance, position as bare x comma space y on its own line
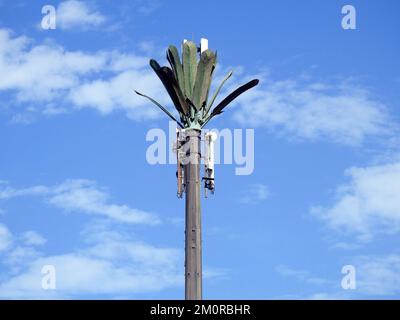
209, 159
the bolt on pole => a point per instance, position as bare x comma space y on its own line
193, 245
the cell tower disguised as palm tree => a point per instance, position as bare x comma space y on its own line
188, 82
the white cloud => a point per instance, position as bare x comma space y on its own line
18, 256
342, 113
300, 275
5, 237
346, 245
368, 204
73, 14
79, 275
22, 118
327, 296
148, 6
378, 275
13, 253
41, 72
33, 238
8, 192
108, 263
255, 193
105, 95
111, 264
212, 273
147, 47
83, 196
48, 79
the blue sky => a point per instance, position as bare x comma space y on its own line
77, 192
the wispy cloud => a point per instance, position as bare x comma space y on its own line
212, 273
148, 6
46, 79
368, 204
52, 80
375, 275
378, 275
82, 196
343, 112
73, 14
300, 275
254, 193
33, 238
18, 250
18, 257
110, 264
327, 296
109, 261
5, 237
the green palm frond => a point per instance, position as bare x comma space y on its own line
188, 83
176, 65
209, 105
218, 109
204, 73
189, 57
169, 81
160, 106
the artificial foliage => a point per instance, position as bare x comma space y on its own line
188, 81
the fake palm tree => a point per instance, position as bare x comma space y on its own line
188, 84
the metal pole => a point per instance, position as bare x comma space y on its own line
193, 263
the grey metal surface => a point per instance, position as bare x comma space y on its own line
193, 245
